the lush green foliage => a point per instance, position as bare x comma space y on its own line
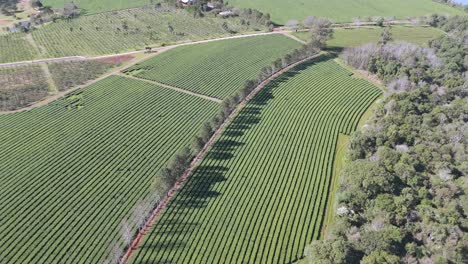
92, 6
217, 69
403, 195
21, 86
72, 170
14, 47
353, 37
69, 74
260, 193
344, 11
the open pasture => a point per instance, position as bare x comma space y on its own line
344, 11
72, 170
216, 69
353, 37
259, 195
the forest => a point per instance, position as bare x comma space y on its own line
402, 195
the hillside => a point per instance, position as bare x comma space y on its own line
345, 11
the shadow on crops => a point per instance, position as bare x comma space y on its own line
189, 210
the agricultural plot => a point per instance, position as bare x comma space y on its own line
69, 74
260, 194
124, 30
21, 86
345, 11
72, 170
93, 6
14, 47
353, 37
216, 69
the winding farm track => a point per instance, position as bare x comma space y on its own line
198, 158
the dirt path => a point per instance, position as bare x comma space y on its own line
197, 160
52, 87
173, 88
45, 68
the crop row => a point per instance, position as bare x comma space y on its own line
216, 69
260, 194
72, 170
14, 47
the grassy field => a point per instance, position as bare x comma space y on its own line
21, 86
216, 69
260, 194
93, 6
353, 37
345, 11
72, 170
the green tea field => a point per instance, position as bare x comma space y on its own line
72, 170
259, 196
345, 11
216, 69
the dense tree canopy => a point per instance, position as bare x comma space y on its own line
402, 196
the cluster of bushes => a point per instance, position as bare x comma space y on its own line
403, 193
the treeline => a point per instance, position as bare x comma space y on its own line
403, 194
169, 175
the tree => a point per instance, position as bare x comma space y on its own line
70, 10
385, 36
320, 29
379, 21
328, 251
293, 24
126, 232
379, 256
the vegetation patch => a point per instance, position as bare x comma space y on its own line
70, 74
260, 194
21, 86
216, 69
72, 170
